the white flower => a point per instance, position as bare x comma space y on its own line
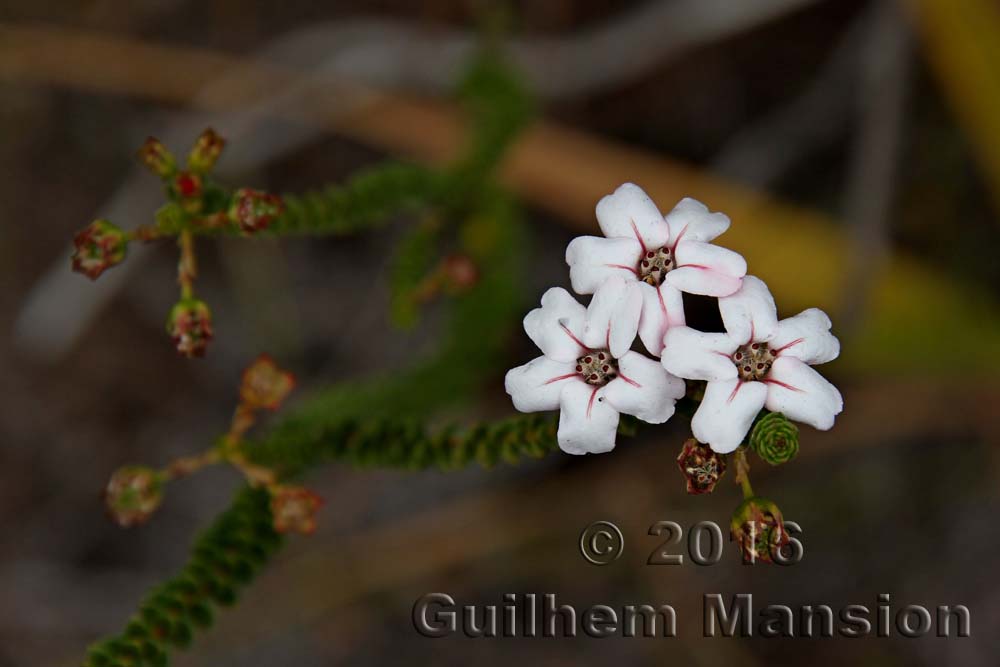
587, 370
665, 256
759, 362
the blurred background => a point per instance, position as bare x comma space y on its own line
856, 145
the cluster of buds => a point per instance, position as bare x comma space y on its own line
133, 494
759, 529
701, 467
294, 509
265, 386
775, 438
190, 327
196, 204
98, 247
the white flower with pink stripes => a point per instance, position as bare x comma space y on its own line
758, 362
663, 256
587, 370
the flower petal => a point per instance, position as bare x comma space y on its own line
644, 389
662, 308
807, 337
726, 413
557, 326
691, 220
705, 255
630, 213
613, 316
695, 355
536, 385
698, 280
750, 312
593, 259
587, 423
801, 394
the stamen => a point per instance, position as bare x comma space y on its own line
597, 369
753, 361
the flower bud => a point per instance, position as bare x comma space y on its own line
254, 210
264, 385
759, 530
294, 508
133, 494
98, 247
187, 185
157, 158
460, 272
206, 151
775, 438
701, 466
190, 327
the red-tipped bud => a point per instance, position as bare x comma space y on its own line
98, 247
187, 185
759, 530
701, 466
157, 158
254, 210
294, 509
264, 385
206, 151
460, 272
133, 494
190, 327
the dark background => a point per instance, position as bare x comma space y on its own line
838, 107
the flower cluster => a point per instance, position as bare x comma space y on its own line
758, 367
195, 205
135, 492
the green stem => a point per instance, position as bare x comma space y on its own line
186, 267
743, 473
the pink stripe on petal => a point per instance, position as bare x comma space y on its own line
630, 380
638, 235
622, 266
673, 248
572, 336
781, 384
736, 390
785, 347
560, 377
590, 403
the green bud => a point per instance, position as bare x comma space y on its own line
133, 494
190, 327
775, 438
97, 248
254, 210
206, 151
157, 158
759, 529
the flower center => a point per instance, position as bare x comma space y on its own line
753, 361
597, 367
654, 266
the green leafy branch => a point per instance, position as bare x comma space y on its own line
378, 421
